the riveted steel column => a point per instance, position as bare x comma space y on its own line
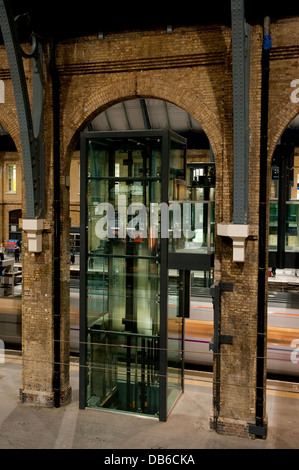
32, 143
38, 158
240, 56
260, 429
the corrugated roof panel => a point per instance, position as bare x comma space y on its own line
178, 117
3, 131
157, 114
100, 123
128, 115
117, 117
295, 122
134, 114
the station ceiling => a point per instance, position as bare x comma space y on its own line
65, 19
141, 114
149, 113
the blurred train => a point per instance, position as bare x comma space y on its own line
282, 335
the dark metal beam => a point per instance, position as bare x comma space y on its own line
3, 131
108, 121
31, 130
263, 234
167, 115
190, 127
240, 55
126, 116
145, 115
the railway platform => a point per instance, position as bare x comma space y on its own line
24, 426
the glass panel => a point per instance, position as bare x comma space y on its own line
201, 181
177, 183
175, 346
292, 226
192, 217
192, 227
123, 372
273, 225
199, 327
123, 277
274, 182
201, 281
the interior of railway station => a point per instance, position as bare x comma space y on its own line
149, 228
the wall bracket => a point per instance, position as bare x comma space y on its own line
238, 233
34, 228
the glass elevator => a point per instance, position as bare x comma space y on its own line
138, 230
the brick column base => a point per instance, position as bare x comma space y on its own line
238, 428
44, 398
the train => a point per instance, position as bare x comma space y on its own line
282, 335
282, 331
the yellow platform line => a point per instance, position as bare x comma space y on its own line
199, 383
279, 393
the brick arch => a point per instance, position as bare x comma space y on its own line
279, 120
10, 122
143, 86
194, 103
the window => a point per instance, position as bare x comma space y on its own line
11, 178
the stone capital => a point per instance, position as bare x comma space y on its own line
238, 233
34, 228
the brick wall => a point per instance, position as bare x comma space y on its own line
191, 68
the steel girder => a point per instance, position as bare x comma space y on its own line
31, 128
241, 69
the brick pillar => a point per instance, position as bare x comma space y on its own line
38, 324
39, 296
235, 369
237, 262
